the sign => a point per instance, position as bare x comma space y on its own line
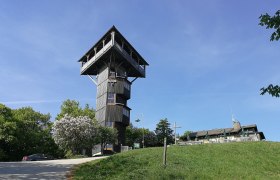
136, 145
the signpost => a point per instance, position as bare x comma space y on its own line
136, 145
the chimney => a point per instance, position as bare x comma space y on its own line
236, 125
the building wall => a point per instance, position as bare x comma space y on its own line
101, 99
233, 138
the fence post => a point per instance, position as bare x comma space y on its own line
164, 152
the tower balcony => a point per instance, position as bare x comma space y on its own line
89, 62
120, 86
118, 113
113, 47
140, 68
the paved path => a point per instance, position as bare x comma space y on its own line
53, 169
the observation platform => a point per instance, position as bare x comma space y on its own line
123, 52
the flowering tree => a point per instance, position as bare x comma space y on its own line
75, 133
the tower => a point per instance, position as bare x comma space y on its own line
113, 61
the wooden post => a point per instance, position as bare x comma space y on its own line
164, 152
95, 50
143, 138
113, 37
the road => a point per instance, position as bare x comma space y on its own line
39, 170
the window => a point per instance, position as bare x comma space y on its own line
125, 112
120, 100
111, 98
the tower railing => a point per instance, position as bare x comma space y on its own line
97, 55
107, 46
140, 68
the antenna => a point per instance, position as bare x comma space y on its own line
234, 119
232, 116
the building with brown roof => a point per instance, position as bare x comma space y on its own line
235, 134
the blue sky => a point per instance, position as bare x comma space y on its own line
208, 59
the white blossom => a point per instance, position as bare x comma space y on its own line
74, 133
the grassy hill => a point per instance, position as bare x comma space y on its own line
250, 160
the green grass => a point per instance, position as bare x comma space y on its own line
250, 160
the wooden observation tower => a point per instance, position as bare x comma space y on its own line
116, 65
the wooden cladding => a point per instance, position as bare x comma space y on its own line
102, 82
113, 59
100, 114
117, 113
119, 86
113, 43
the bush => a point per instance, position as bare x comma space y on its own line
3, 156
70, 155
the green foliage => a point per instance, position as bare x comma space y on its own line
248, 160
271, 22
34, 134
23, 132
185, 136
5, 113
135, 135
3, 155
70, 155
272, 90
73, 109
150, 138
163, 130
106, 135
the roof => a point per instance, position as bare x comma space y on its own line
114, 29
249, 126
261, 135
221, 131
212, 132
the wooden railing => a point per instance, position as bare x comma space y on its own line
97, 55
130, 59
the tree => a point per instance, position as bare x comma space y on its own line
185, 136
135, 135
271, 22
24, 131
73, 109
34, 132
7, 132
163, 130
150, 139
75, 133
106, 135
273, 90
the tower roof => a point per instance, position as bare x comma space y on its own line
114, 29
